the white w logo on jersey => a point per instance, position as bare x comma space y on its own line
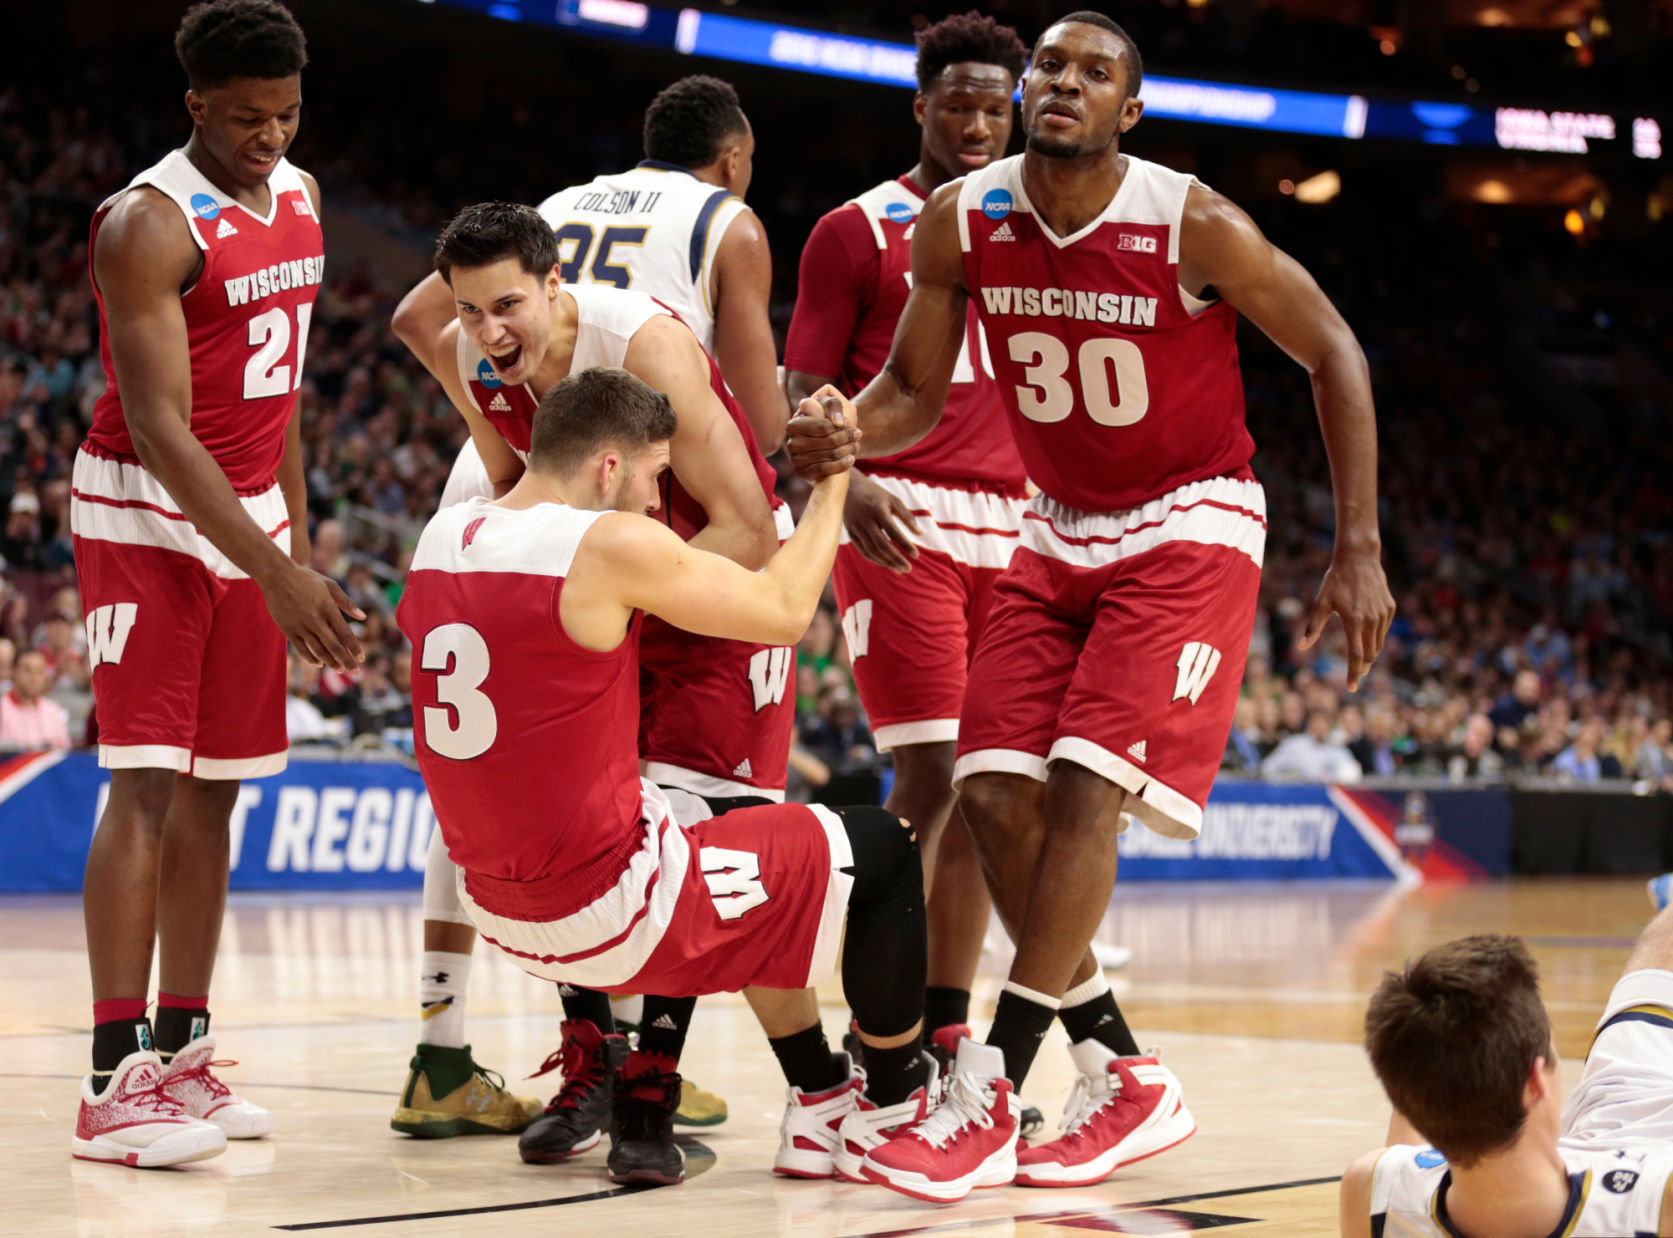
107, 632
856, 628
1197, 664
769, 672
734, 880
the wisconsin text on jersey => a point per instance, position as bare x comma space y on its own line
618, 201
271, 280
1071, 303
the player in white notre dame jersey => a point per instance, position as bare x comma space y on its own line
1482, 1143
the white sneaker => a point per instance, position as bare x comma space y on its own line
868, 1125
189, 1081
135, 1122
1111, 957
807, 1137
969, 1141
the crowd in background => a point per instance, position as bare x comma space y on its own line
1524, 514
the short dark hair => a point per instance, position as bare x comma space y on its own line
1135, 62
224, 39
689, 122
968, 37
490, 232
1453, 1037
597, 409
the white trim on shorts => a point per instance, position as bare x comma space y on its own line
241, 767
707, 784
902, 734
999, 761
145, 756
115, 501
1221, 511
977, 528
827, 945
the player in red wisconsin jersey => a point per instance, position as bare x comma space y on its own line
1104, 682
928, 530
525, 615
189, 521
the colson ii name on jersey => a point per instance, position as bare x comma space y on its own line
279, 277
1107, 307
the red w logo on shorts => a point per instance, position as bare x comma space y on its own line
470, 533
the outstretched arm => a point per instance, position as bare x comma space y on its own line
1222, 247
419, 319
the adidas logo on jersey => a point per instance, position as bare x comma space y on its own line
1137, 751
499, 404
743, 770
225, 230
1002, 233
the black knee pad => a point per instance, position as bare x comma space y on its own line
888, 869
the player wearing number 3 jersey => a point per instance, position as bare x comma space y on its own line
1103, 685
525, 617
189, 518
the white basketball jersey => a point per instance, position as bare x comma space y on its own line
1613, 1192
653, 229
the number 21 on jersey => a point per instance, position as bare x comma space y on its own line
266, 374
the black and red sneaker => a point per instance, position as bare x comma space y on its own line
577, 1116
642, 1147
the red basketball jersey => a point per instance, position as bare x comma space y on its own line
856, 272
247, 319
526, 740
1121, 386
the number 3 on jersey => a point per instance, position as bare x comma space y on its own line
1047, 395
459, 656
270, 337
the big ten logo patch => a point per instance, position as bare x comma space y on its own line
108, 628
856, 629
769, 673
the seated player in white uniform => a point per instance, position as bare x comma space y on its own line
1481, 1144
525, 617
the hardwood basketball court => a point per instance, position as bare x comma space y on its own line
1253, 992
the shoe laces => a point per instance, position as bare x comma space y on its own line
1089, 1094
201, 1074
581, 1074
964, 1103
154, 1097
492, 1078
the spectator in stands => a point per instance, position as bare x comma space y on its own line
1374, 751
303, 721
20, 545
383, 704
1653, 762
1243, 749
837, 735
1475, 759
8, 656
1311, 756
1514, 707
28, 721
1581, 760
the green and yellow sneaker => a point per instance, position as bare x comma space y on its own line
448, 1094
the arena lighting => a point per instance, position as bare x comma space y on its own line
1319, 189
743, 40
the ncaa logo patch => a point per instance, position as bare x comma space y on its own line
1620, 1181
1429, 1158
996, 203
204, 206
485, 374
899, 212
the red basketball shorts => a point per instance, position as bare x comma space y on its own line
910, 637
1117, 641
188, 667
755, 896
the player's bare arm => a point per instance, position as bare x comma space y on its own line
1355, 1196
1220, 247
629, 562
142, 258
501, 463
741, 285
709, 456
903, 403
419, 319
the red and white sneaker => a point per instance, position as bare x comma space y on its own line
807, 1136
969, 1141
869, 1124
135, 1122
190, 1081
1122, 1110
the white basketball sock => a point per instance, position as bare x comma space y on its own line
441, 997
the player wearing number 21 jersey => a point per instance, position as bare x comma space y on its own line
1105, 679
